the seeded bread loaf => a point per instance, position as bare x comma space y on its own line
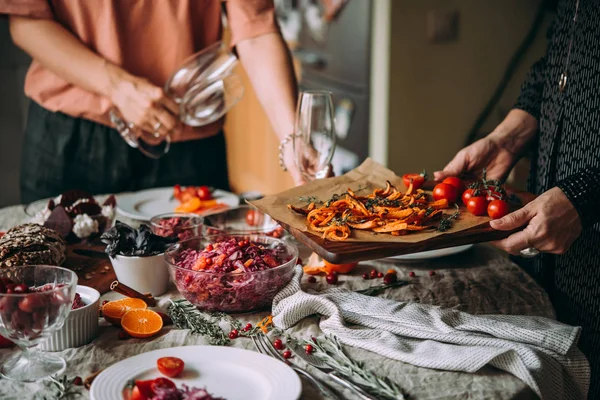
31, 244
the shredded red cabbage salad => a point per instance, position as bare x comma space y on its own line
185, 393
232, 276
232, 256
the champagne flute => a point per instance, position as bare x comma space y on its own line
314, 134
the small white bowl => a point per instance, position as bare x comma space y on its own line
81, 325
144, 274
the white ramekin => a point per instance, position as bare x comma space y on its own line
144, 274
81, 325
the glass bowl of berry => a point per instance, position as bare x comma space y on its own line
34, 303
181, 226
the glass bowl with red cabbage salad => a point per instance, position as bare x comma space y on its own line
231, 273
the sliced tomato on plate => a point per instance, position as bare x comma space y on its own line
142, 390
170, 366
162, 383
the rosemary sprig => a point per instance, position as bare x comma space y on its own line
330, 351
446, 222
62, 388
375, 290
186, 316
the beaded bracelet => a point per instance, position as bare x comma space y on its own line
281, 147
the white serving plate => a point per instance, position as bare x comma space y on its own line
231, 373
427, 255
145, 204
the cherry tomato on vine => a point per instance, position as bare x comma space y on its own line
204, 193
457, 183
495, 195
497, 209
170, 366
467, 195
477, 205
445, 191
417, 180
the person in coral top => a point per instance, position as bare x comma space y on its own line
91, 56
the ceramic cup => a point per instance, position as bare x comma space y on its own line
81, 325
144, 274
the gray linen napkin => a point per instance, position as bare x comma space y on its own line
539, 351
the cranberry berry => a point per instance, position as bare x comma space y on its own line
388, 279
278, 344
287, 354
332, 278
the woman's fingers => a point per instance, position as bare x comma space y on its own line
170, 105
514, 243
165, 122
513, 220
455, 167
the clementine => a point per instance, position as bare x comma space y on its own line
114, 310
141, 323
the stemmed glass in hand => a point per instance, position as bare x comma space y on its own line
314, 134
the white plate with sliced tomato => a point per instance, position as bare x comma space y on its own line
145, 204
224, 372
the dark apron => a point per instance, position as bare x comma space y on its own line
61, 152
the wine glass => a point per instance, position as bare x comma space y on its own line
314, 134
151, 145
34, 303
204, 86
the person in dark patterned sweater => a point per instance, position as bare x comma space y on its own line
557, 116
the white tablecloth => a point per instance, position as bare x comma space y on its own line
480, 281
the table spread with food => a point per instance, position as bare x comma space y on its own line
362, 286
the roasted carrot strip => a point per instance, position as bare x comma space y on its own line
393, 226
440, 204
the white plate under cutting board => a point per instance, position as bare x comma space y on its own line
231, 373
428, 255
145, 204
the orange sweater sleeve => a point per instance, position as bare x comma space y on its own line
27, 8
250, 18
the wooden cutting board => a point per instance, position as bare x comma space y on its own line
92, 265
345, 252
